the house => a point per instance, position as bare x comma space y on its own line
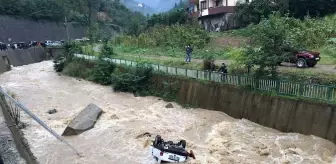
214, 15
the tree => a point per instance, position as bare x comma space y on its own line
253, 12
270, 46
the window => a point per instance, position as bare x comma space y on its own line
225, 3
203, 5
219, 3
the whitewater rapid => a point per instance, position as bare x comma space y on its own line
214, 137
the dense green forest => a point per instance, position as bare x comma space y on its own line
255, 11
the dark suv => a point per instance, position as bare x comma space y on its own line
304, 59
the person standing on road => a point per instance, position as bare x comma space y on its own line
189, 51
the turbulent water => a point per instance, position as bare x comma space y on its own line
214, 137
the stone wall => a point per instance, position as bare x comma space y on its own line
23, 30
221, 22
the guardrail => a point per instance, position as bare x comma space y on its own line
13, 107
314, 91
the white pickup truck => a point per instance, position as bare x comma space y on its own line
169, 151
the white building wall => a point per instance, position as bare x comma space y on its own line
212, 3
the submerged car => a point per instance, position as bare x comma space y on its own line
169, 151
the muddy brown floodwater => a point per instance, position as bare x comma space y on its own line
215, 137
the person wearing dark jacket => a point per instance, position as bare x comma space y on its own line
189, 51
223, 71
1, 162
212, 66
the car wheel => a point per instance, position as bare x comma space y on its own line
301, 63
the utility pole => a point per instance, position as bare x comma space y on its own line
66, 27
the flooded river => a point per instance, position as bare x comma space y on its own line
215, 137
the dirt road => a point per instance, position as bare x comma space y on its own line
285, 66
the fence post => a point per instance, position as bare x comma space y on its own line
196, 74
277, 86
186, 72
239, 82
166, 69
209, 75
131, 64
256, 83
301, 90
175, 70
330, 93
158, 67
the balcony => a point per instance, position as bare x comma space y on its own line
221, 9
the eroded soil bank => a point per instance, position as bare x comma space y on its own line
215, 137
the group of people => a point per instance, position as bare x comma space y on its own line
20, 45
212, 66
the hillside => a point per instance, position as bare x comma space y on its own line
104, 12
139, 7
160, 5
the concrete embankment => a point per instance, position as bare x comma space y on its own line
8, 129
283, 114
14, 146
21, 57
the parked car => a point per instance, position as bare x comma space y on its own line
48, 42
304, 58
22, 45
56, 43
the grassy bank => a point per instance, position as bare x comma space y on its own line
142, 81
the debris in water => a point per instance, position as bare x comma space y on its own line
52, 111
114, 117
146, 134
170, 105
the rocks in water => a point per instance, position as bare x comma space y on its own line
146, 134
52, 111
170, 105
84, 121
114, 117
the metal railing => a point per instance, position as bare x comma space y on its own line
13, 107
314, 91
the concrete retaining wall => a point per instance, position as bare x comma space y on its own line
21, 57
21, 143
23, 30
279, 113
4, 66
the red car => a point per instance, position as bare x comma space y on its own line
304, 59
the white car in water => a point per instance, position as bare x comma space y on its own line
169, 151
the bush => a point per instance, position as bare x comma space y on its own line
107, 50
59, 64
101, 73
79, 68
206, 61
176, 36
134, 80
